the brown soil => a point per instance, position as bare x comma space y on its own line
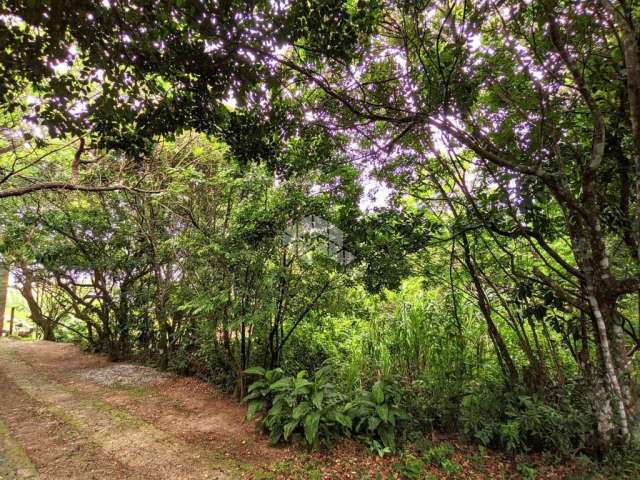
78, 416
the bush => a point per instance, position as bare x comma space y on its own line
434, 403
519, 422
195, 354
295, 407
377, 417
410, 468
438, 455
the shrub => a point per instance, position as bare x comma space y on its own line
526, 472
377, 417
438, 455
434, 402
517, 422
297, 407
410, 467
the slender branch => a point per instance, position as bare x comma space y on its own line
36, 187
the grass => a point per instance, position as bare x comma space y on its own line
69, 420
305, 470
13, 455
122, 418
133, 391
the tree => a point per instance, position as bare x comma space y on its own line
539, 101
4, 288
46, 306
128, 71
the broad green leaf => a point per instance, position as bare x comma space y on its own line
388, 437
255, 371
254, 407
289, 427
383, 412
301, 410
301, 386
317, 398
252, 396
377, 392
275, 410
344, 420
258, 384
282, 384
270, 375
311, 423
372, 423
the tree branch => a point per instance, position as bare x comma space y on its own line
19, 191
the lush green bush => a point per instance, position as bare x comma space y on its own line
297, 407
377, 417
438, 455
434, 403
412, 466
511, 419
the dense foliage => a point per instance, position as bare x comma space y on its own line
471, 170
296, 405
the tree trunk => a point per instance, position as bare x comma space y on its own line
163, 330
4, 289
613, 419
123, 321
35, 311
48, 332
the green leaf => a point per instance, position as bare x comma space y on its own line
373, 423
254, 407
301, 386
311, 423
388, 437
257, 384
383, 412
274, 437
255, 371
317, 398
301, 410
275, 410
270, 375
282, 384
344, 420
252, 396
289, 427
377, 392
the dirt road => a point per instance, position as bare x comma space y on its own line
65, 414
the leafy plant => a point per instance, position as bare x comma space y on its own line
450, 467
297, 406
410, 467
515, 421
314, 409
377, 416
527, 472
438, 455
